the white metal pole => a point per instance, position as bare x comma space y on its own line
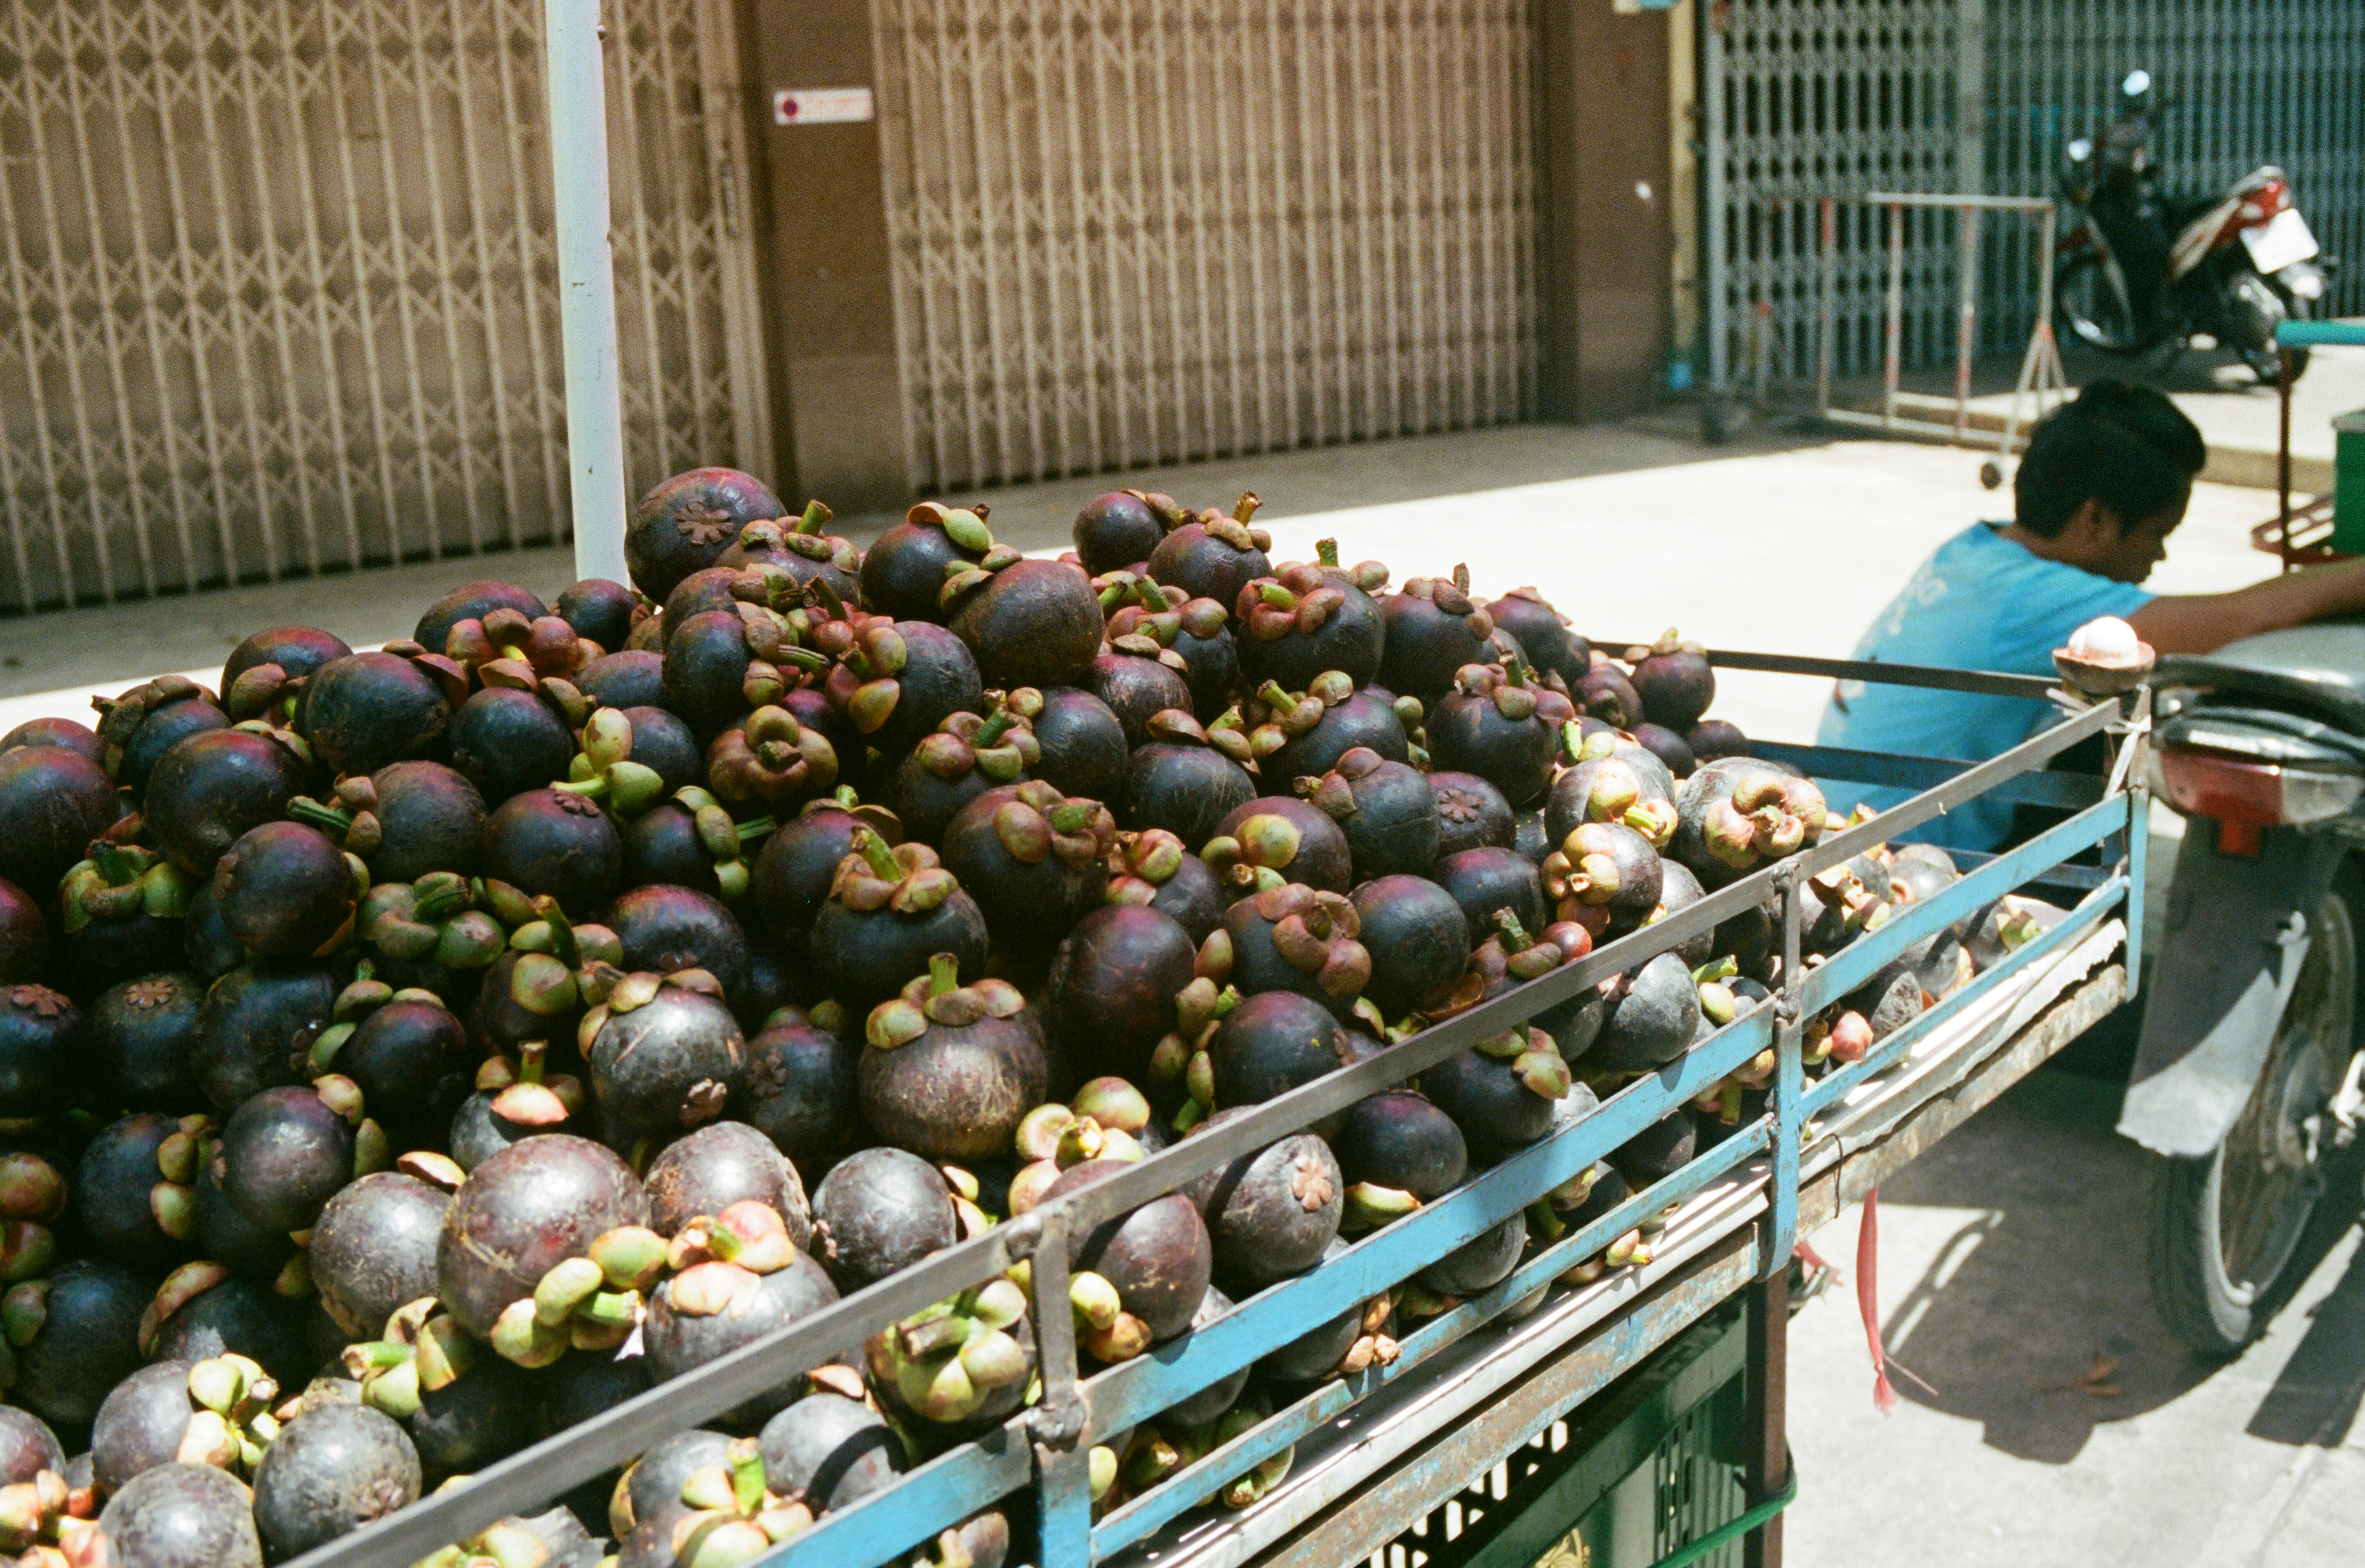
586, 284
1713, 282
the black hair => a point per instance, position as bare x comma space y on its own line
2148, 413
2078, 454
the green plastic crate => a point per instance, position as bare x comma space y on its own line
2348, 483
1626, 1481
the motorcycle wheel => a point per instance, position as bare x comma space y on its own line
2227, 1224
2090, 309
2262, 362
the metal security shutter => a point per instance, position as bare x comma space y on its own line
1134, 231
1825, 97
279, 296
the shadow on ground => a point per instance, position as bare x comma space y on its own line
2036, 1319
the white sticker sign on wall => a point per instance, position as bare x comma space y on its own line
823, 106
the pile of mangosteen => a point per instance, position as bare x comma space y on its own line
407, 1052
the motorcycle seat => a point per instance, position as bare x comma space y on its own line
2318, 667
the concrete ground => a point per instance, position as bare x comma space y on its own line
2065, 1429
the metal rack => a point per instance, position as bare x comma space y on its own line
1742, 1206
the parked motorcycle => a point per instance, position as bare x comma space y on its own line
2247, 1073
2139, 270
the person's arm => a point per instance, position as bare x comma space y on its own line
2203, 623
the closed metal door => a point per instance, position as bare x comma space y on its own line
1138, 231
278, 293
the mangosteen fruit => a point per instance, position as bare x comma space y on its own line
1032, 858
1485, 879
142, 724
1294, 938
890, 912
366, 710
1214, 557
1277, 839
599, 608
829, 1452
896, 682
712, 1308
134, 1188
484, 1414
24, 936
77, 738
951, 1067
227, 1236
330, 1471
1027, 622
258, 672
628, 678
1738, 813
1500, 1092
800, 1087
686, 523
1295, 736
1679, 890
1112, 985
903, 571
40, 1029
878, 1210
1386, 810
1668, 746
1675, 681
474, 601
405, 820
1481, 1263
372, 1249
285, 1152
769, 762
1157, 1261
1657, 1152
80, 1332
1118, 530
201, 1312
1330, 1349
182, 1515
668, 929
1139, 680
1470, 813
1618, 782
1197, 629
53, 803
1272, 1211
720, 1165
1543, 631
1082, 746
1152, 870
1603, 693
1419, 940
255, 1024
668, 747
505, 742
1397, 1151
1180, 782
1433, 629
523, 1210
797, 864
651, 1483
28, 1447
1497, 724
1712, 739
799, 549
663, 1055
555, 841
285, 891
966, 757
1654, 1011
1604, 872
963, 1364
1273, 1043
121, 913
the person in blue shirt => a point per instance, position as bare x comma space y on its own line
2104, 481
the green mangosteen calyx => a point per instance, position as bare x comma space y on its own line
526, 1095
938, 998
121, 880
1180, 1060
730, 1514
1174, 726
436, 917
603, 770
771, 760
906, 878
729, 844
945, 1362
591, 1302
1141, 863
33, 1194
864, 684
507, 649
999, 746
1139, 607
560, 965
1534, 1057
1765, 816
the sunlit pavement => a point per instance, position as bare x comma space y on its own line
2066, 1428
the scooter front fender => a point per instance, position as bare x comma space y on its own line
2236, 936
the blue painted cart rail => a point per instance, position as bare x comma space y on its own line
1046, 1447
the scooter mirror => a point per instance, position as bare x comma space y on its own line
2137, 83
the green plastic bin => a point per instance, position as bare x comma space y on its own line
1630, 1478
2348, 483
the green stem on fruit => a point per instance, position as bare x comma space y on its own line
1515, 670
755, 828
1326, 552
1277, 596
846, 796
806, 659
119, 865
440, 904
944, 973
994, 729
1572, 740
1273, 695
1071, 816
1246, 506
1515, 936
882, 860
814, 516
328, 818
530, 1056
